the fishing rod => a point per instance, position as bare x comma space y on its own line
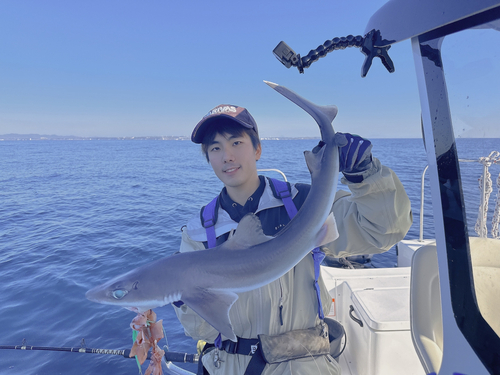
169, 356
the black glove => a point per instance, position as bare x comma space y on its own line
355, 155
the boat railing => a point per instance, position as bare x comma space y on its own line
486, 187
273, 170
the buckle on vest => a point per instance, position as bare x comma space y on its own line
208, 223
229, 346
284, 194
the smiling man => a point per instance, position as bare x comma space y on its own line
371, 219
233, 158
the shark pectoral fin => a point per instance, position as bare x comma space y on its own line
248, 233
328, 232
213, 306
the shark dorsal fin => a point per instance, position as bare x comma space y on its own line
248, 233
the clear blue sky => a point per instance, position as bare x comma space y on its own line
149, 68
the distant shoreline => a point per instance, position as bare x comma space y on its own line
42, 137
39, 137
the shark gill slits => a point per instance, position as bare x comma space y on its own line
135, 285
119, 293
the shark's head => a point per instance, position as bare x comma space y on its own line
129, 291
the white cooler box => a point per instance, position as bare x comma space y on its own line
377, 347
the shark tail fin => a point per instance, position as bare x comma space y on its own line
320, 113
328, 232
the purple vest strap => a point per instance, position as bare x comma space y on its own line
318, 257
209, 222
285, 195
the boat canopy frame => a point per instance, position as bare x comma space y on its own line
455, 265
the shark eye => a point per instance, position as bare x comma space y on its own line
119, 293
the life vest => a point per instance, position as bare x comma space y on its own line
283, 192
257, 363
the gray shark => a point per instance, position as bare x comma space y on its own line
208, 280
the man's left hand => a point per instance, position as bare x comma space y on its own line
355, 153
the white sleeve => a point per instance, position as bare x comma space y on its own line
375, 216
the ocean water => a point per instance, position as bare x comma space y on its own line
76, 213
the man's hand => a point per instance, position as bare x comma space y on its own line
355, 155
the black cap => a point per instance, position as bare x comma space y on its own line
233, 112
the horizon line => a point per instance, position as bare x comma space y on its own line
54, 137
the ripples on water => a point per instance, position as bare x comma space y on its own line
75, 213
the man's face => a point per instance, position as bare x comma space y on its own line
233, 160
